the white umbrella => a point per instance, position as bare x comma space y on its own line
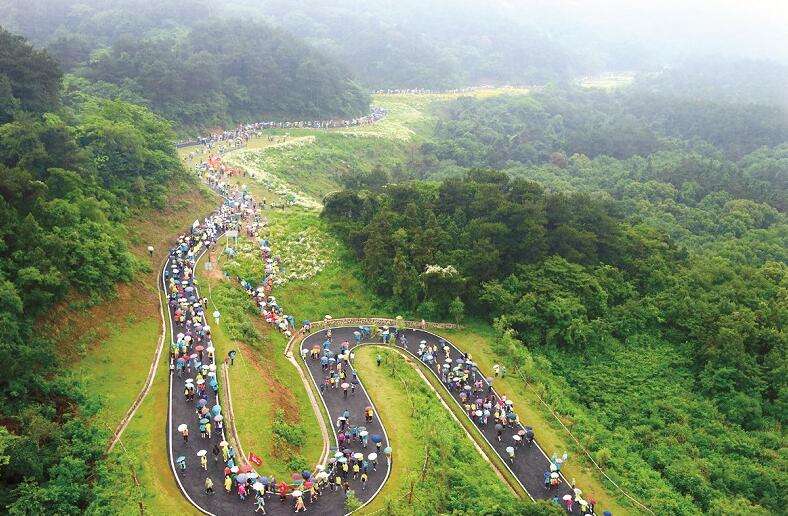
296, 493
202, 453
182, 427
257, 486
218, 417
358, 456
372, 456
234, 469
509, 450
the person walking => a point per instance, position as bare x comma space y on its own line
299, 504
228, 484
208, 486
259, 503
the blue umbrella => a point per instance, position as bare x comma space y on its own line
306, 474
216, 410
376, 438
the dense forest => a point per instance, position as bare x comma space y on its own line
723, 80
197, 70
450, 45
69, 177
631, 252
384, 45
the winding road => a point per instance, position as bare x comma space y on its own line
179, 283
529, 464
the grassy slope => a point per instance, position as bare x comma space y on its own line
111, 345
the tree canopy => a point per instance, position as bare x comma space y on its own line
631, 253
69, 177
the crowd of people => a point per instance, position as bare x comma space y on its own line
255, 130
475, 393
194, 362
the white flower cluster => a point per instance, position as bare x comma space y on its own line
449, 270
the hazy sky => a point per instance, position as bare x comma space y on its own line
754, 28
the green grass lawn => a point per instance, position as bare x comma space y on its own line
118, 370
313, 162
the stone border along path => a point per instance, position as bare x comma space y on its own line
529, 464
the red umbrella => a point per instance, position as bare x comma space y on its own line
198, 348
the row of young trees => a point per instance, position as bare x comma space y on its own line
69, 177
643, 290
